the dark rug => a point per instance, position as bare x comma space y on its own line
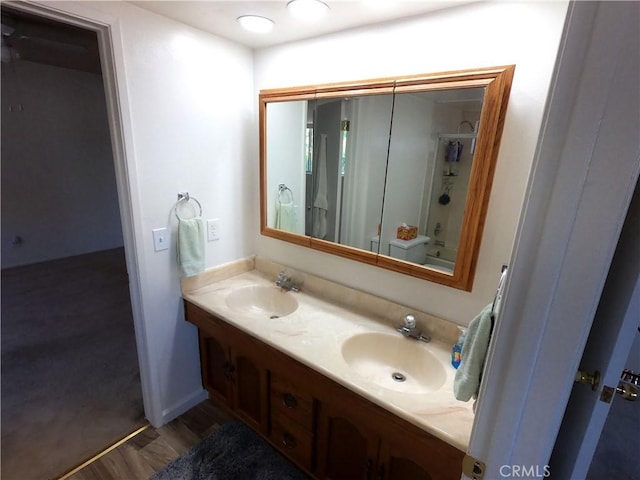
232, 452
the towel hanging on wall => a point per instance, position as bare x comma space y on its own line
475, 346
190, 245
474, 351
285, 209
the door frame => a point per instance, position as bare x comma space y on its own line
108, 31
576, 202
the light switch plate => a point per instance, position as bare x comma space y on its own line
213, 229
160, 239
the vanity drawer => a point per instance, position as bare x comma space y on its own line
289, 401
293, 440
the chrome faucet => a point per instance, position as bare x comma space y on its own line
409, 329
286, 283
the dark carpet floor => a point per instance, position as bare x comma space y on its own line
70, 377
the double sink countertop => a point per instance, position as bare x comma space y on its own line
336, 330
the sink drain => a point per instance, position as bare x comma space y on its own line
274, 316
398, 377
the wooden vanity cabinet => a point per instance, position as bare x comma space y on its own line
346, 448
358, 440
292, 415
326, 429
231, 368
215, 366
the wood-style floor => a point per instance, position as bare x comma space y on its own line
154, 448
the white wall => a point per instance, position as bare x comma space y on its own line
189, 117
58, 179
526, 34
191, 107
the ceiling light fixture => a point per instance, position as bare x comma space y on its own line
308, 10
255, 23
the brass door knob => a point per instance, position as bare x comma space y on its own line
587, 378
627, 391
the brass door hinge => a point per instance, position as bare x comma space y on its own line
473, 468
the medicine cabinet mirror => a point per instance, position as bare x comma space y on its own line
393, 172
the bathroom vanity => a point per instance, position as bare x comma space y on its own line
308, 371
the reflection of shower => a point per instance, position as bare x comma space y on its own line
446, 191
474, 129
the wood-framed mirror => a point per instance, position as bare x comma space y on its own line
393, 172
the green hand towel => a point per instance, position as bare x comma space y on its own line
191, 246
474, 351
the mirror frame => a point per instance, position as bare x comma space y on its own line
497, 83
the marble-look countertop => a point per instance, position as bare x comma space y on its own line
327, 315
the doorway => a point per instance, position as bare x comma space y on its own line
615, 455
70, 377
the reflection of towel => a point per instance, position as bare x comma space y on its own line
474, 352
453, 152
320, 203
191, 246
285, 216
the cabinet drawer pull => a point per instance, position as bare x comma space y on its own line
289, 440
289, 401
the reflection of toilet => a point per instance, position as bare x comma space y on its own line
375, 243
414, 250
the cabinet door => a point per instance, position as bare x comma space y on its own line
418, 458
396, 463
215, 365
249, 387
346, 450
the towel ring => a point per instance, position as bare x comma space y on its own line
184, 197
282, 188
499, 290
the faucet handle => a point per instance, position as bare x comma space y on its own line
409, 321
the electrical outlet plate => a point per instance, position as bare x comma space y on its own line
213, 229
160, 239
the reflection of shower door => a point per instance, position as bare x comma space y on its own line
445, 201
327, 121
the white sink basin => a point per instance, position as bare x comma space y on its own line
263, 301
394, 362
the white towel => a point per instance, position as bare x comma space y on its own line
474, 351
285, 216
320, 203
190, 246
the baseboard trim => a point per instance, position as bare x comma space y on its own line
186, 403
